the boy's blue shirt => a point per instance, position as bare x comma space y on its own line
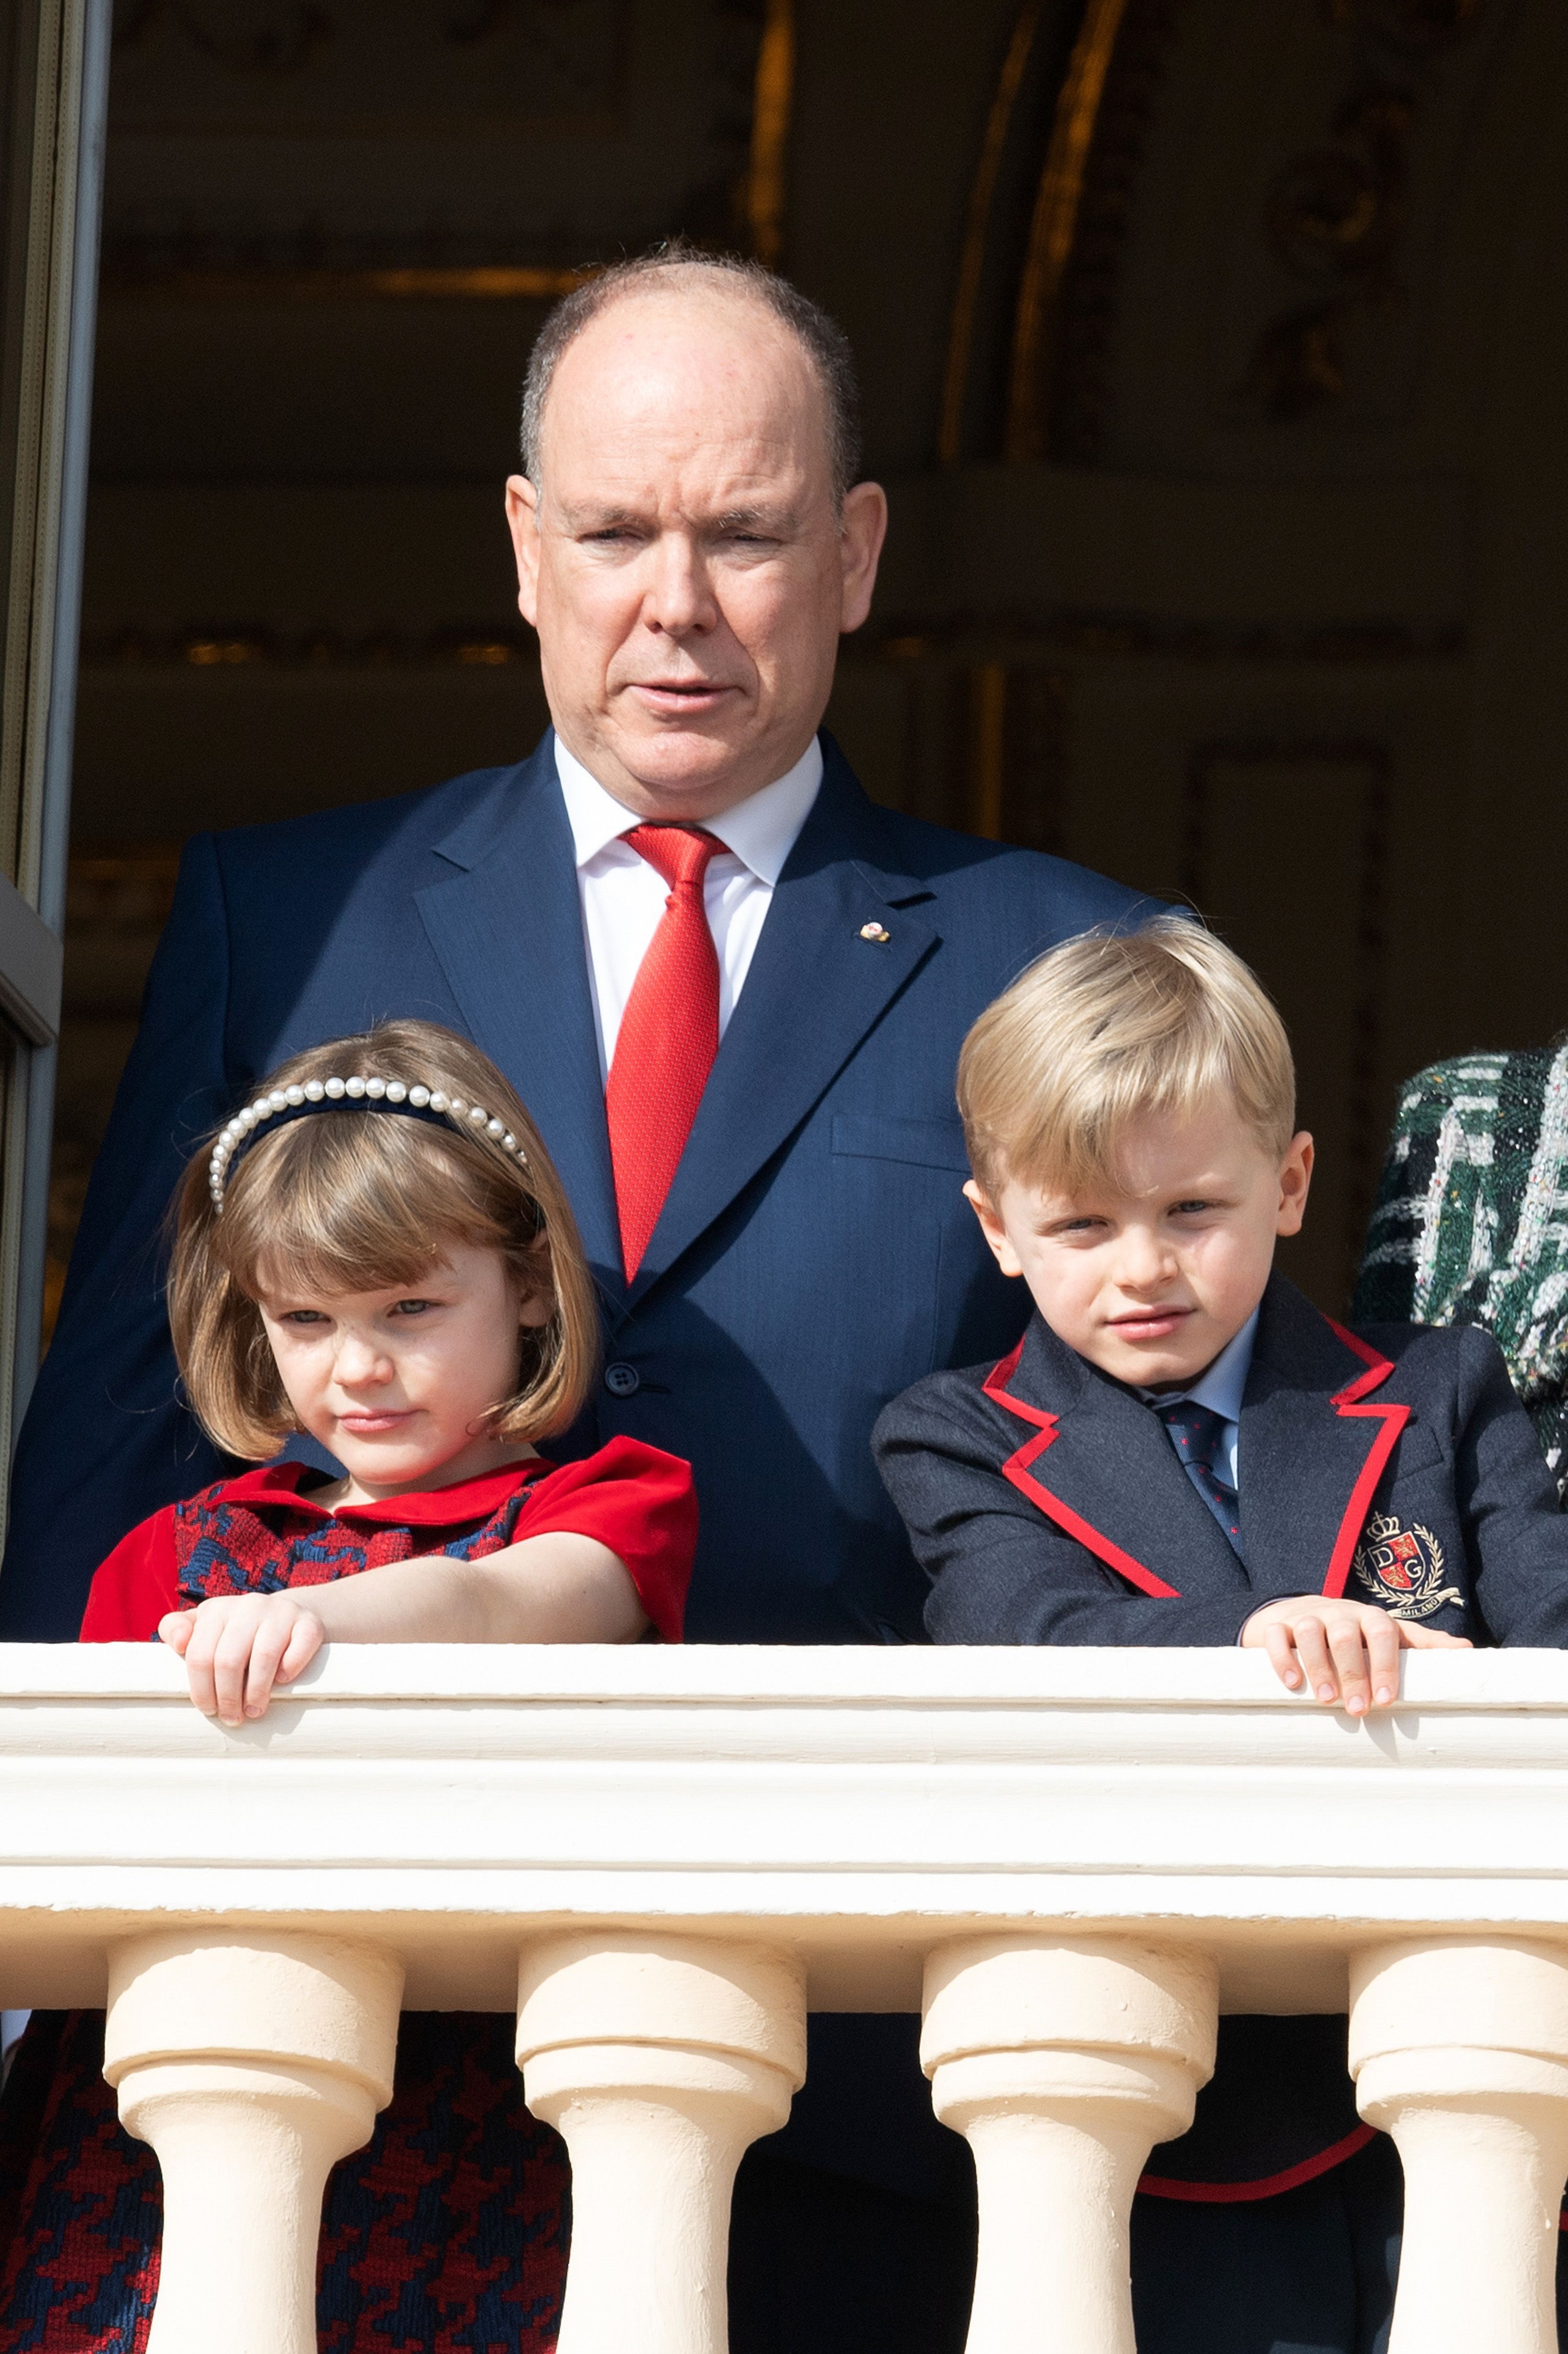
1222, 1387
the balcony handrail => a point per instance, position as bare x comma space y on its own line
1070, 1861
863, 1801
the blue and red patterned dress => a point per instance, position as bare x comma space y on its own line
448, 2233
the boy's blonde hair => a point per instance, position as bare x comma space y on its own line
1110, 1026
348, 1199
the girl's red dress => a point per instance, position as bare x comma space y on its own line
448, 2233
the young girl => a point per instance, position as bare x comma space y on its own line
376, 1256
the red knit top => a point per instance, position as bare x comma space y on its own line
259, 1533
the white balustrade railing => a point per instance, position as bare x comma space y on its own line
1070, 1861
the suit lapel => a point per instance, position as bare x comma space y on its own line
1315, 1439
1101, 1466
815, 987
506, 926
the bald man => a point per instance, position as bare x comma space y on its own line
731, 990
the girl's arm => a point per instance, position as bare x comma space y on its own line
556, 1587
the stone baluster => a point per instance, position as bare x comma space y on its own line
1063, 2061
251, 2062
659, 2059
1459, 2049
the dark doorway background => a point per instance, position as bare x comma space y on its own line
1214, 353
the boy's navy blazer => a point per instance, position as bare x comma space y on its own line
814, 1255
1393, 1466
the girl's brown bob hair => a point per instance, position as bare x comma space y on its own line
349, 1200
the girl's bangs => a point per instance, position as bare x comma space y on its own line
353, 1203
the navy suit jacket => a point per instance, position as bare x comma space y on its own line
1394, 1465
814, 1255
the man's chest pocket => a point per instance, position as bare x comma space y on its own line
917, 1251
933, 1145
901, 1222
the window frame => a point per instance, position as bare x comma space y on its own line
56, 96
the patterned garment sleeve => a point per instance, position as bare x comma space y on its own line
135, 1586
1464, 1230
639, 1502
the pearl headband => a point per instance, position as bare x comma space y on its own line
286, 1104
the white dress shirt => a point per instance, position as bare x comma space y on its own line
623, 897
1221, 1387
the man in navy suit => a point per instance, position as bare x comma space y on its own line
692, 542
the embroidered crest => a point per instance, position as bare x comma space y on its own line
1403, 1568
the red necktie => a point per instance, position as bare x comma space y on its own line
668, 1036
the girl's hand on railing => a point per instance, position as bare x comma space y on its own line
1343, 1653
237, 1646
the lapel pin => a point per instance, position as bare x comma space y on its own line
876, 932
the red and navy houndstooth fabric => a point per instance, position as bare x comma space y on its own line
83, 2206
447, 2234
231, 1548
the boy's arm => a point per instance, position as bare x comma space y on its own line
1516, 1529
999, 1571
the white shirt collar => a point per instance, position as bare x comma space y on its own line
1223, 1385
761, 831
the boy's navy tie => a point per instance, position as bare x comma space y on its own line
1196, 1432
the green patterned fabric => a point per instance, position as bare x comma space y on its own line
1471, 1223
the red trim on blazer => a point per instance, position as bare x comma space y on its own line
1016, 1470
1347, 1403
1263, 2186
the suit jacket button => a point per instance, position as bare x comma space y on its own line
622, 1381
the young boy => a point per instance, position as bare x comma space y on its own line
1183, 1450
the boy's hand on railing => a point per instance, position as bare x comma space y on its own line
1342, 1652
236, 1646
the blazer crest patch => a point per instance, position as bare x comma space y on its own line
1401, 1568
